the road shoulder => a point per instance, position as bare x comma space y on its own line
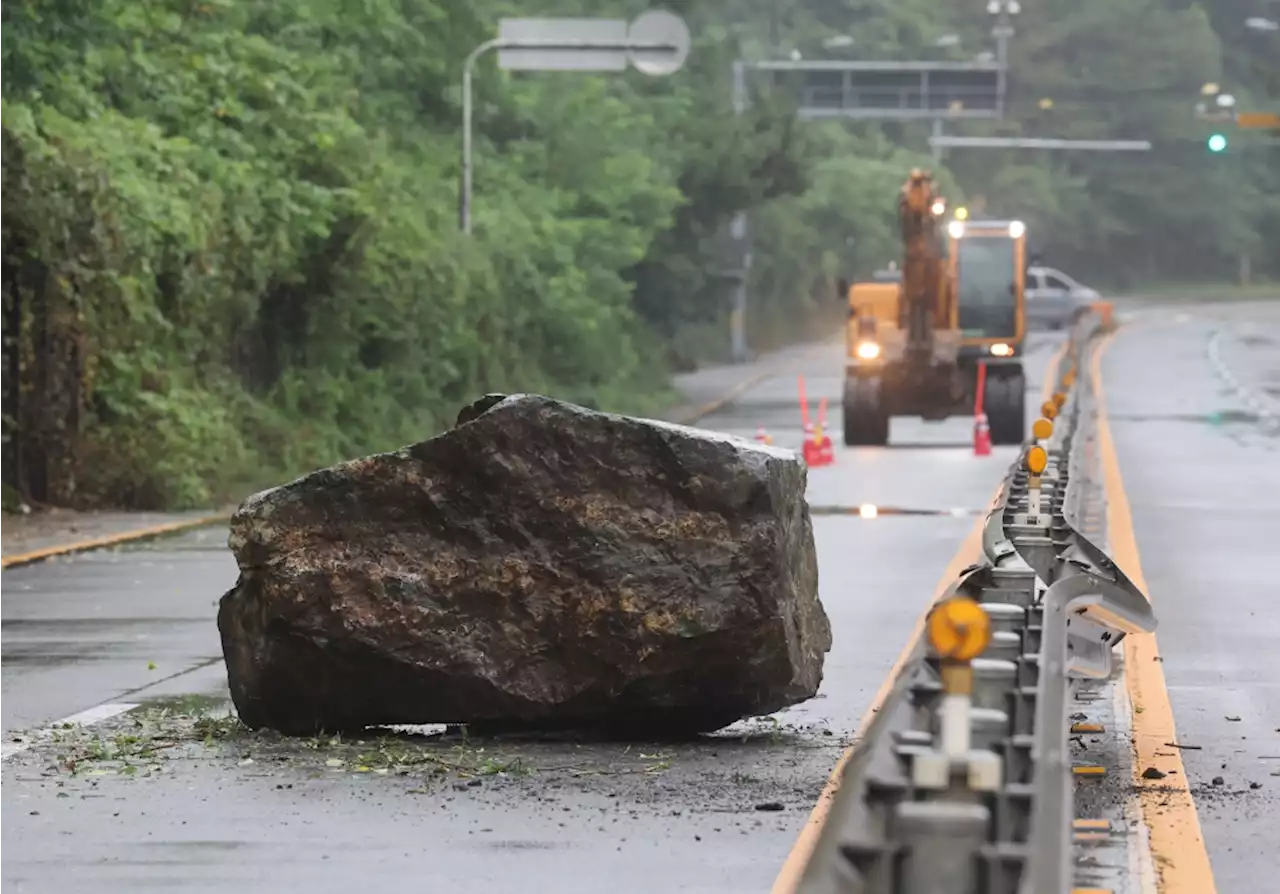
1160, 782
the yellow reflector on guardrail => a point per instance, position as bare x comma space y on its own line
1042, 429
959, 629
1036, 460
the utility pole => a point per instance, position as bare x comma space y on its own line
739, 230
1003, 10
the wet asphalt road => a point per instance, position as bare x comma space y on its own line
1201, 468
83, 631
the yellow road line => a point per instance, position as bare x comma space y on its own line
48, 552
711, 406
1169, 811
788, 878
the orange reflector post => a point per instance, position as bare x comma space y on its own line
1036, 460
959, 629
1042, 428
1104, 311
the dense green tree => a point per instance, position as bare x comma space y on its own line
230, 243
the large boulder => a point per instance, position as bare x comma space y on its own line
538, 566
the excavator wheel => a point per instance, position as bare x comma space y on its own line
866, 419
1005, 405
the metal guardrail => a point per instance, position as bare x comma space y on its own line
962, 784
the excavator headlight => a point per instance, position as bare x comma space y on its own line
868, 350
1017, 229
955, 229
1000, 349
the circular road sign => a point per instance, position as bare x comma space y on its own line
659, 26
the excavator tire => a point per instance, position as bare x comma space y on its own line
866, 418
1006, 406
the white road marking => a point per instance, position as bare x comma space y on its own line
1263, 406
84, 718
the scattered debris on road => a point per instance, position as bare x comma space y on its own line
189, 738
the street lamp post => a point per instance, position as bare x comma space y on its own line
655, 43
468, 67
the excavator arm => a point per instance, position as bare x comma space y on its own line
925, 297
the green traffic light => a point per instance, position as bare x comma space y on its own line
1217, 143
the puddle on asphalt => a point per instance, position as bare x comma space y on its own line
193, 704
1253, 340
1221, 417
872, 511
18, 656
27, 625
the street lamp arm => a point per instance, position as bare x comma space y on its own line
495, 43
500, 43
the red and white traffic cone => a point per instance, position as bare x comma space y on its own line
981, 430
981, 436
826, 450
810, 451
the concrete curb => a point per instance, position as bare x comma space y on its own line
690, 417
109, 540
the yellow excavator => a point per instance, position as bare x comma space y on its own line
915, 336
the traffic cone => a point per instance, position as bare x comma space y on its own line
981, 436
826, 450
763, 436
810, 451
981, 430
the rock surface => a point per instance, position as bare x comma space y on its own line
538, 566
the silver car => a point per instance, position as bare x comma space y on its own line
1054, 299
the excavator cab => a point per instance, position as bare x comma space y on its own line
987, 260
988, 268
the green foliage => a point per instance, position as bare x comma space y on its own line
1133, 69
243, 220
230, 245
